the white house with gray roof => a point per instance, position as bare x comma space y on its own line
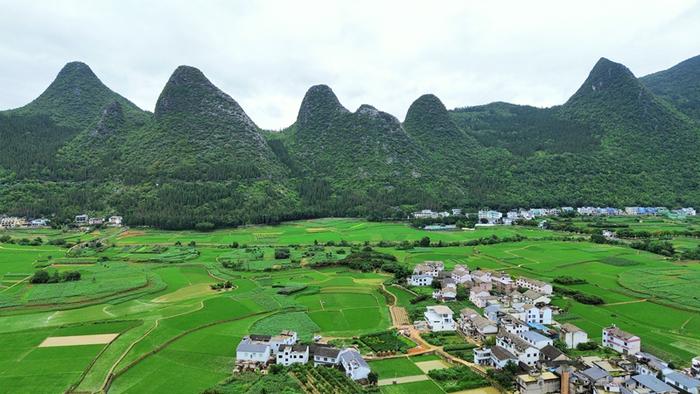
439, 318
293, 354
249, 350
683, 382
356, 368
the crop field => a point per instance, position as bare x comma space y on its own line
176, 334
319, 230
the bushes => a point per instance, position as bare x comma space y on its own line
584, 346
281, 253
42, 276
222, 285
569, 280
204, 226
388, 341
419, 298
291, 290
579, 296
457, 379
588, 299
663, 248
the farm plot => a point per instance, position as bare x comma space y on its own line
25, 366
346, 313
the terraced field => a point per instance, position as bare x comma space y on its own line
153, 289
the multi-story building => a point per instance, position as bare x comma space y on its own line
621, 341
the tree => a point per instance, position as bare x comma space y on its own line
373, 378
424, 242
40, 277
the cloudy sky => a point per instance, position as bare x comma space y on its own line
266, 54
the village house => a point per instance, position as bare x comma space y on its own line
534, 314
533, 297
39, 222
494, 356
538, 383
293, 354
524, 351
447, 292
572, 336
284, 338
477, 296
356, 368
460, 274
695, 367
513, 325
621, 341
503, 282
481, 276
551, 356
473, 324
420, 280
82, 219
12, 222
648, 364
95, 221
324, 354
683, 382
535, 285
536, 339
647, 384
252, 351
490, 217
115, 221
439, 318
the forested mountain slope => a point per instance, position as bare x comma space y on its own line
680, 85
199, 158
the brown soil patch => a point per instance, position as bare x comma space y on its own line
78, 340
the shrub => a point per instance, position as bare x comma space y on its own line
587, 346
281, 253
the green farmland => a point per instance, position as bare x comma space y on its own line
153, 290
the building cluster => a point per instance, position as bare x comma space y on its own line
259, 351
516, 313
21, 222
491, 217
86, 220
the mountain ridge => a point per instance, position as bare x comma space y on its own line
200, 158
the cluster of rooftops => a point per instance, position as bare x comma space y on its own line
257, 352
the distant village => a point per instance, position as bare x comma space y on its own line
492, 217
83, 220
517, 319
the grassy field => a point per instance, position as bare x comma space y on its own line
320, 230
179, 335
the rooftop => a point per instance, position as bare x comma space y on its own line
684, 380
652, 383
440, 309
615, 331
527, 378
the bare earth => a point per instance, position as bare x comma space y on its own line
78, 340
427, 366
405, 379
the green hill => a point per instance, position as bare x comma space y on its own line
680, 85
200, 160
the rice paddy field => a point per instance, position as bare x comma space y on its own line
150, 291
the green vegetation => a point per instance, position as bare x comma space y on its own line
179, 334
457, 379
199, 162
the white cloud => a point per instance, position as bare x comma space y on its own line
266, 54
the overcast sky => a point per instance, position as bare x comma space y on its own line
266, 54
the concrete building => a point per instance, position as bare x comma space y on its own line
621, 341
572, 336
439, 318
